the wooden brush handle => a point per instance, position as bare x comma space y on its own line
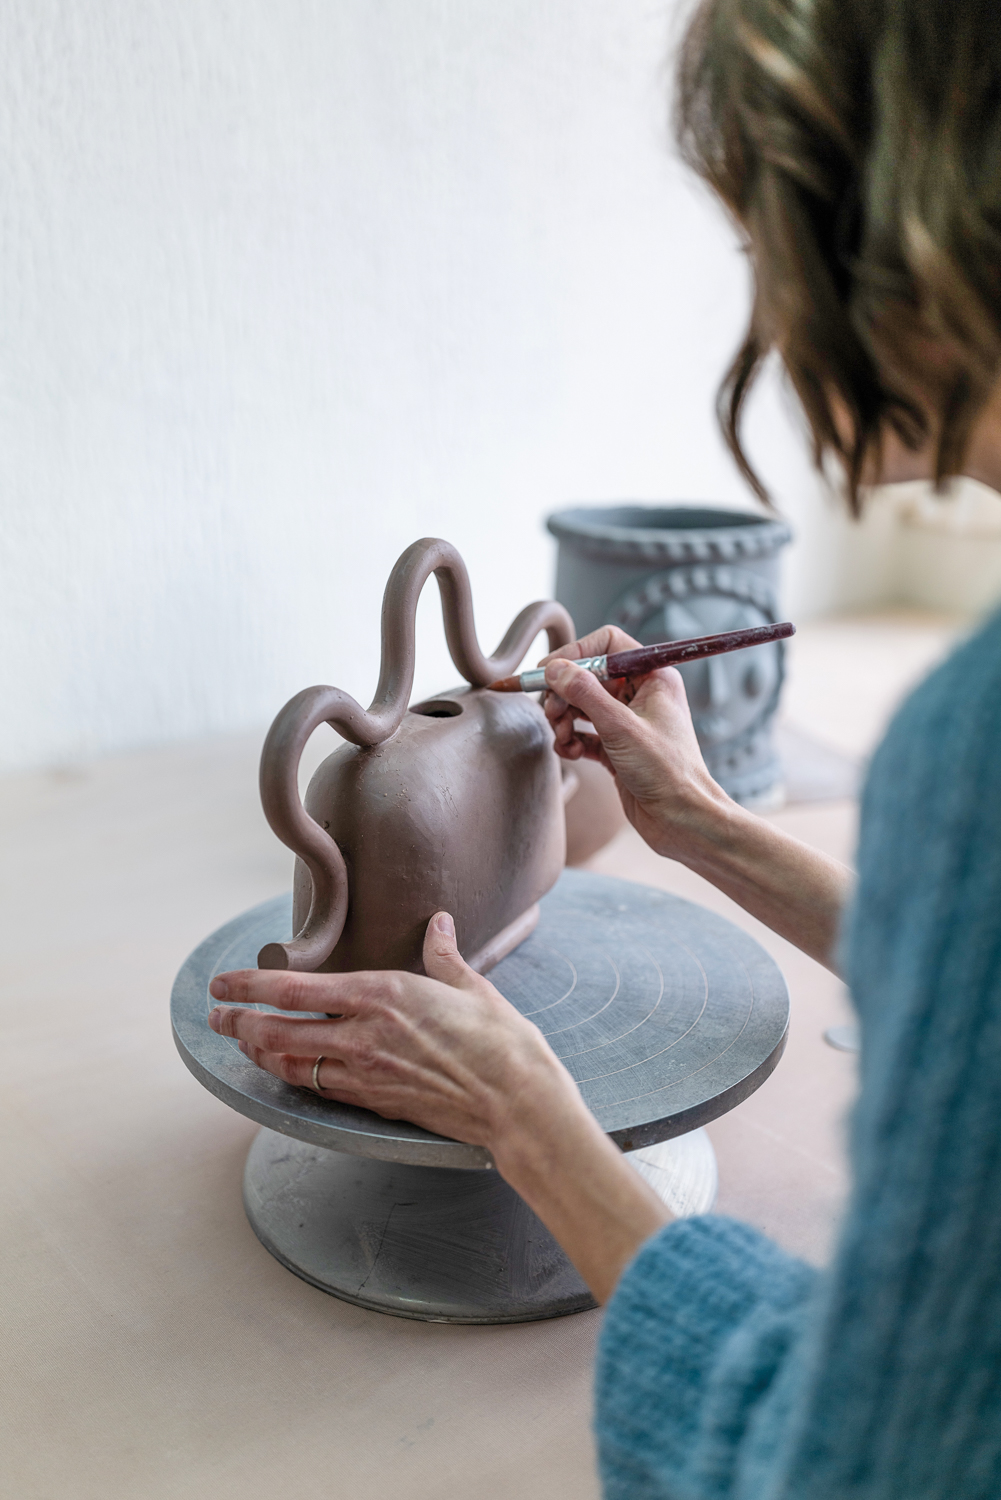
674, 653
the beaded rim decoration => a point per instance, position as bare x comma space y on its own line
606, 542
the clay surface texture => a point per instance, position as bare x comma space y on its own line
453, 805
461, 810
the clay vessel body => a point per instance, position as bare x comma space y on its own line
454, 804
461, 811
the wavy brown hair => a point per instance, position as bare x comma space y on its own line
857, 144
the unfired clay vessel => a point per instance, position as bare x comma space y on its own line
452, 804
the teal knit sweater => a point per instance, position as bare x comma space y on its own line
727, 1368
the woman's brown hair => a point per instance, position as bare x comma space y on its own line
857, 143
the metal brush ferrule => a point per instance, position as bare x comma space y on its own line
598, 665
535, 681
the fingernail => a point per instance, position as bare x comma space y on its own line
244, 1048
215, 1020
444, 924
219, 989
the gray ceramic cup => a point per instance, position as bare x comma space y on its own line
667, 572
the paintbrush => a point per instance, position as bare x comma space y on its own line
647, 658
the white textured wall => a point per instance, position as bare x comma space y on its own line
284, 286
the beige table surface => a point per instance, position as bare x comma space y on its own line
153, 1347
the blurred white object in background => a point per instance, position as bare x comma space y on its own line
950, 547
938, 552
287, 286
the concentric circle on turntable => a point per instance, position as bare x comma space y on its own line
665, 1014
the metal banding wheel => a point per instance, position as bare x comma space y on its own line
665, 1014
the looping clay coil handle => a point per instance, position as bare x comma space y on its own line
317, 705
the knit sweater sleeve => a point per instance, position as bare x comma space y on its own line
727, 1369
692, 1342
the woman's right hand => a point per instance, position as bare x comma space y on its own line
643, 734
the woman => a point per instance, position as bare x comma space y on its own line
858, 147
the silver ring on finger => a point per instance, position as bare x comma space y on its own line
316, 1075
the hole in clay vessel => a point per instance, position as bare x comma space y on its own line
438, 708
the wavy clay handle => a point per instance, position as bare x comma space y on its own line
317, 705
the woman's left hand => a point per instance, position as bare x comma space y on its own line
447, 1051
